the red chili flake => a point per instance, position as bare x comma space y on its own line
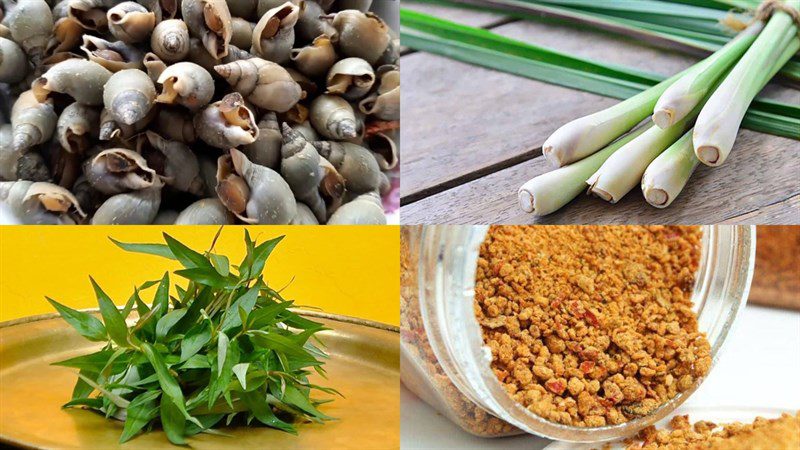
380, 126
555, 386
591, 318
587, 366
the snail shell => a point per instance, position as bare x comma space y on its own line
210, 21
131, 208
186, 84
13, 62
31, 25
35, 203
32, 166
33, 122
207, 211
355, 163
8, 156
304, 216
273, 36
227, 123
129, 96
385, 102
166, 217
266, 84
333, 117
111, 129
175, 124
363, 35
163, 9
332, 187
114, 56
76, 125
315, 59
384, 148
91, 14
311, 25
118, 170
255, 194
241, 32
80, 79
307, 131
366, 209
300, 168
266, 150
352, 78
67, 35
245, 9
181, 168
154, 66
170, 40
131, 22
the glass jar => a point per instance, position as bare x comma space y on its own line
777, 280
445, 362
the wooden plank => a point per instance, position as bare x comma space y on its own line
458, 118
758, 183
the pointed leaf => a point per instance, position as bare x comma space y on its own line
150, 249
172, 421
246, 301
139, 413
207, 276
87, 325
221, 264
161, 297
240, 370
195, 339
186, 256
168, 321
257, 404
114, 322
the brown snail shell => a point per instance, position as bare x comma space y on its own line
186, 84
130, 208
170, 40
76, 125
175, 124
385, 102
114, 56
207, 211
181, 169
210, 21
118, 170
273, 36
129, 95
246, 9
154, 66
80, 79
355, 163
315, 59
130, 22
91, 14
67, 35
33, 122
352, 78
227, 123
363, 35
333, 117
264, 83
366, 209
241, 32
304, 216
266, 150
37, 203
301, 170
311, 25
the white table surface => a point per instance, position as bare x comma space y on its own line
759, 367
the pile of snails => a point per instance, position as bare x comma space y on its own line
197, 111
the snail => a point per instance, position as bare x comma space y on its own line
166, 217
175, 124
266, 150
246, 9
304, 216
266, 84
154, 66
384, 148
33, 121
355, 163
301, 170
333, 117
363, 35
130, 208
114, 56
129, 95
130, 22
226, 123
13, 62
352, 78
366, 209
186, 84
241, 32
209, 21
110, 129
273, 36
311, 25
80, 79
31, 166
173, 161
91, 14
67, 34
9, 158
316, 58
255, 194
361, 5
76, 127
118, 170
31, 25
170, 40
163, 9
40, 203
384, 103
207, 211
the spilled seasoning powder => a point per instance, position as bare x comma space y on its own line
782, 433
591, 325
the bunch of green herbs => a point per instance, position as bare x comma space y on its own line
226, 346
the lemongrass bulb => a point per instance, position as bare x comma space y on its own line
667, 175
682, 96
549, 192
719, 121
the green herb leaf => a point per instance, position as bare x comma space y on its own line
207, 276
221, 264
93, 362
168, 321
247, 301
186, 256
161, 298
139, 413
172, 421
114, 322
150, 249
257, 404
195, 340
87, 325
240, 370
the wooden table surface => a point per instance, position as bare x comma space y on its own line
472, 136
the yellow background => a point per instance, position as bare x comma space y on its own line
344, 270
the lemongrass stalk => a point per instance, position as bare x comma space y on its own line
549, 192
720, 119
666, 176
683, 95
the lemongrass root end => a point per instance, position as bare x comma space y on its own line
709, 155
526, 201
602, 194
551, 156
657, 197
664, 118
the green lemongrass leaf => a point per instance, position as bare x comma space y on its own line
110, 396
484, 48
114, 322
195, 340
246, 302
93, 362
142, 410
166, 322
186, 256
207, 276
240, 370
87, 325
161, 298
172, 421
149, 249
221, 264
262, 411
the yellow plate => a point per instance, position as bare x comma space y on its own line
364, 366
